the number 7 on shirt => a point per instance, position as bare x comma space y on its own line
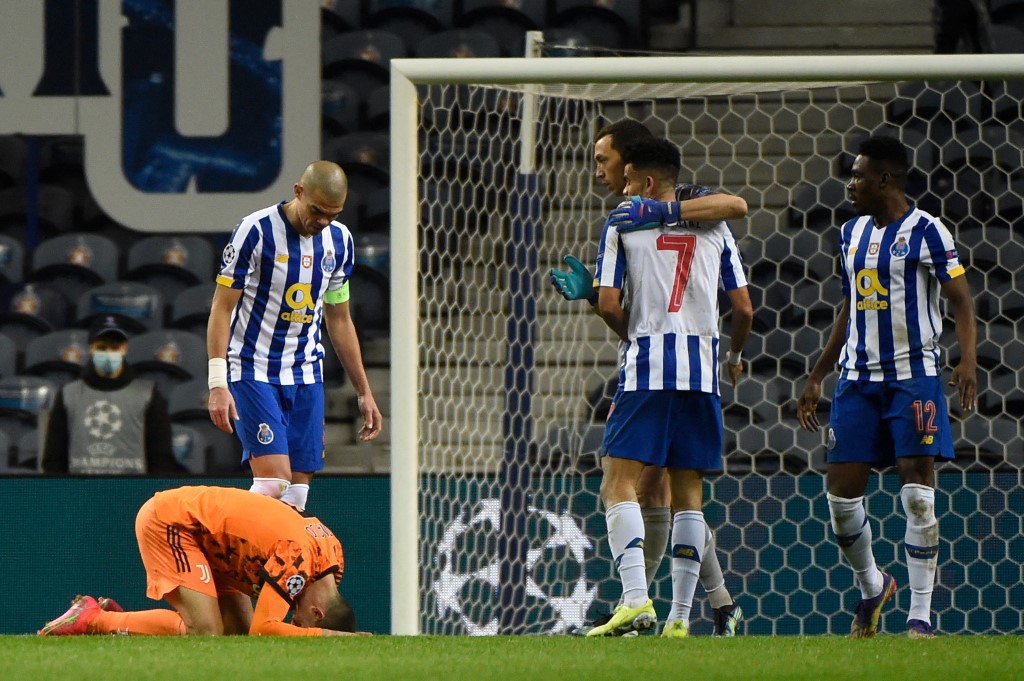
684, 245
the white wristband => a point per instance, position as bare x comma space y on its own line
218, 373
734, 358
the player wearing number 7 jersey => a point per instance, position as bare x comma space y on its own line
658, 291
889, 406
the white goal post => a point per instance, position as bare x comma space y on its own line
685, 76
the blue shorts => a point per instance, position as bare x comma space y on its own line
281, 419
667, 428
877, 422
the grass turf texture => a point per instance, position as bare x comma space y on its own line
529, 658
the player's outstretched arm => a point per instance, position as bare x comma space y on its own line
577, 283
638, 213
713, 208
807, 405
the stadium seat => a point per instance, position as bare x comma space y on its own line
21, 400
137, 306
340, 16
377, 216
609, 23
354, 214
189, 447
8, 356
373, 250
170, 264
191, 308
506, 22
57, 211
33, 310
62, 164
187, 405
331, 369
1006, 11
411, 20
59, 356
369, 150
1006, 39
340, 108
72, 263
378, 109
59, 208
360, 59
169, 357
364, 156
370, 303
27, 454
458, 43
12, 260
13, 154
6, 452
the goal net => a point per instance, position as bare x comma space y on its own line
498, 383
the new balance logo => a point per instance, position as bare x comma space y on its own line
686, 551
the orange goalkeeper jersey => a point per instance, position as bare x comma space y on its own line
254, 542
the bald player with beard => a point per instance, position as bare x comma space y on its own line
283, 273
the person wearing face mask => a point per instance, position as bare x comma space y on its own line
109, 421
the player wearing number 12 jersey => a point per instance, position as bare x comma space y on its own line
889, 406
658, 291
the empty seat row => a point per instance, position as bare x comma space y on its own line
73, 262
198, 445
611, 23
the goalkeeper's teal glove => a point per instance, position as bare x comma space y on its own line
638, 213
577, 283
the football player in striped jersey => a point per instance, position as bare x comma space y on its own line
284, 271
889, 406
658, 291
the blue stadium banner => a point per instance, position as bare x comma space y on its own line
194, 113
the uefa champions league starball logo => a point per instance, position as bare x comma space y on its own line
103, 420
554, 532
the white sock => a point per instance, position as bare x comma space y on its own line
296, 495
626, 540
921, 544
853, 534
711, 577
657, 526
269, 487
688, 540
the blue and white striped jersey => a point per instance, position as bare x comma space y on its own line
275, 329
670, 279
891, 276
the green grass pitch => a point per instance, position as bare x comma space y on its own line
529, 658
